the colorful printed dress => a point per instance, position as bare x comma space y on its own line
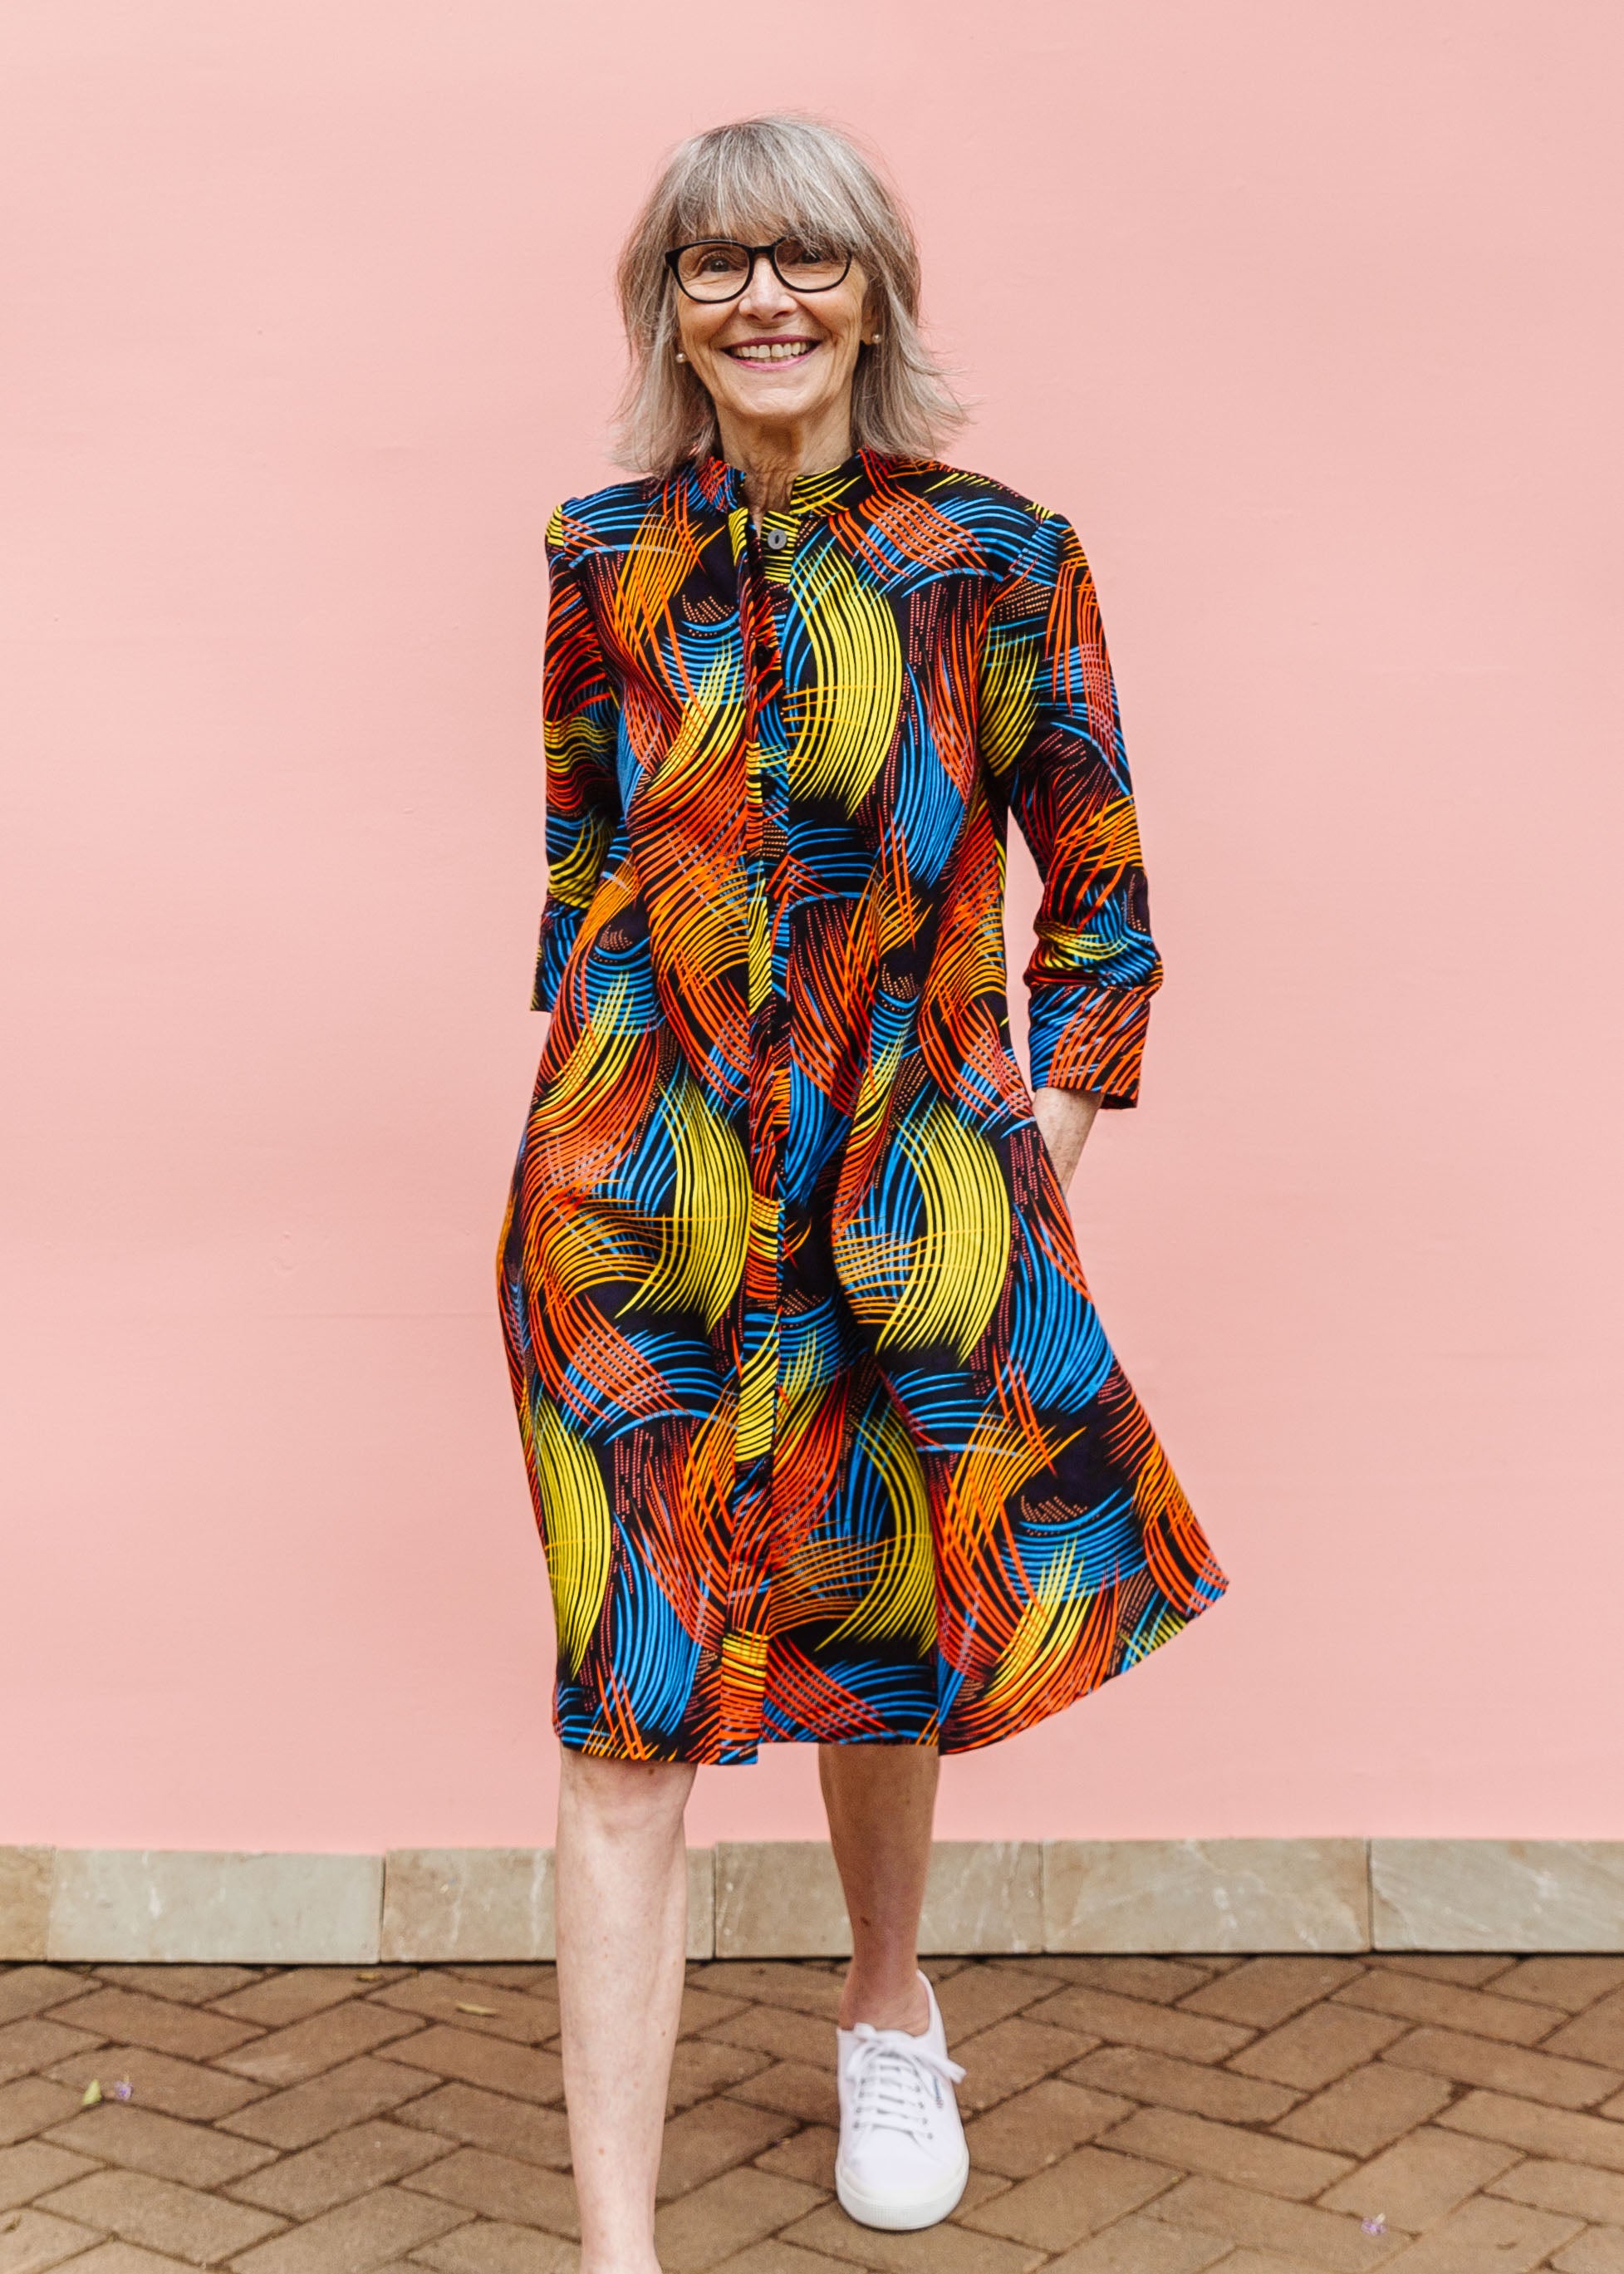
825, 1438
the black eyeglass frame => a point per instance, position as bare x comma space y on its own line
753, 254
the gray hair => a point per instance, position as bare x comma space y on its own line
756, 180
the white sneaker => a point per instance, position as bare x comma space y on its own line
902, 2162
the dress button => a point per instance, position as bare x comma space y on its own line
775, 540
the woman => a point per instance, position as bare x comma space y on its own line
826, 1441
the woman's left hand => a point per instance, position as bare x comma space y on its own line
1064, 1117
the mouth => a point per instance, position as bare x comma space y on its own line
762, 353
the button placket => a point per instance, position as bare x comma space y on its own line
759, 1343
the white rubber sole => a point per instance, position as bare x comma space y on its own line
902, 2217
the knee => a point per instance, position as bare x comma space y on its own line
624, 1800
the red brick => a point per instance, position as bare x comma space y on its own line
1161, 1980
35, 2166
32, 1989
160, 2023
1224, 2151
188, 1985
1084, 2192
501, 2187
1414, 1998
1318, 2046
1364, 2112
701, 2068
1597, 2035
1144, 2245
162, 2216
489, 2120
357, 2238
1167, 2084
178, 2088
523, 2071
1011, 2055
342, 2033
344, 2095
32, 2104
1574, 2188
704, 2143
1506, 2069
284, 1999
1040, 2126
775, 2029
345, 2164
32, 2044
144, 2140
1417, 2180
727, 2215
1484, 2234
793, 2089
32, 2239
1599, 2250
771, 1981
1572, 1983
491, 2246
1265, 1992
809, 2154
942, 2250
1557, 2132
443, 1998
1309, 2237
1134, 2022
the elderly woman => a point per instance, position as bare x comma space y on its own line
826, 1441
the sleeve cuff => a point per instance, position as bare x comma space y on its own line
1093, 1038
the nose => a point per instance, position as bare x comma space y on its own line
765, 296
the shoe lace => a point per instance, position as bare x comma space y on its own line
895, 2082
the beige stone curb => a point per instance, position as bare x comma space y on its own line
781, 1898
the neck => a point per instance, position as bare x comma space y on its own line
773, 457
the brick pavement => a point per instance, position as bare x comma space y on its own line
1126, 2116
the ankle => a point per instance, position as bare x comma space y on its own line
893, 2001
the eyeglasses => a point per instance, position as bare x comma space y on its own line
716, 269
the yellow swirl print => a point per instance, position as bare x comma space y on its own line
1009, 696
845, 723
961, 1258
901, 1599
576, 1531
704, 1229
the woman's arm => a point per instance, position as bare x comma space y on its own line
1064, 1117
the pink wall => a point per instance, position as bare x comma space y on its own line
1304, 314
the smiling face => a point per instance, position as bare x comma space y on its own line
777, 364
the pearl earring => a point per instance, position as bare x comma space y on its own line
680, 356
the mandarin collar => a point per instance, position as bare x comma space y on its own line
721, 487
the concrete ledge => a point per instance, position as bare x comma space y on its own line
151, 1905
25, 1900
1105, 1895
482, 1903
468, 1903
1497, 1895
781, 1898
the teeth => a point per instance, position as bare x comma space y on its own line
773, 351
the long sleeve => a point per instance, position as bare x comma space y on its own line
580, 715
1051, 735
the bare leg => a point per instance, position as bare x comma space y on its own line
622, 1918
880, 1801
